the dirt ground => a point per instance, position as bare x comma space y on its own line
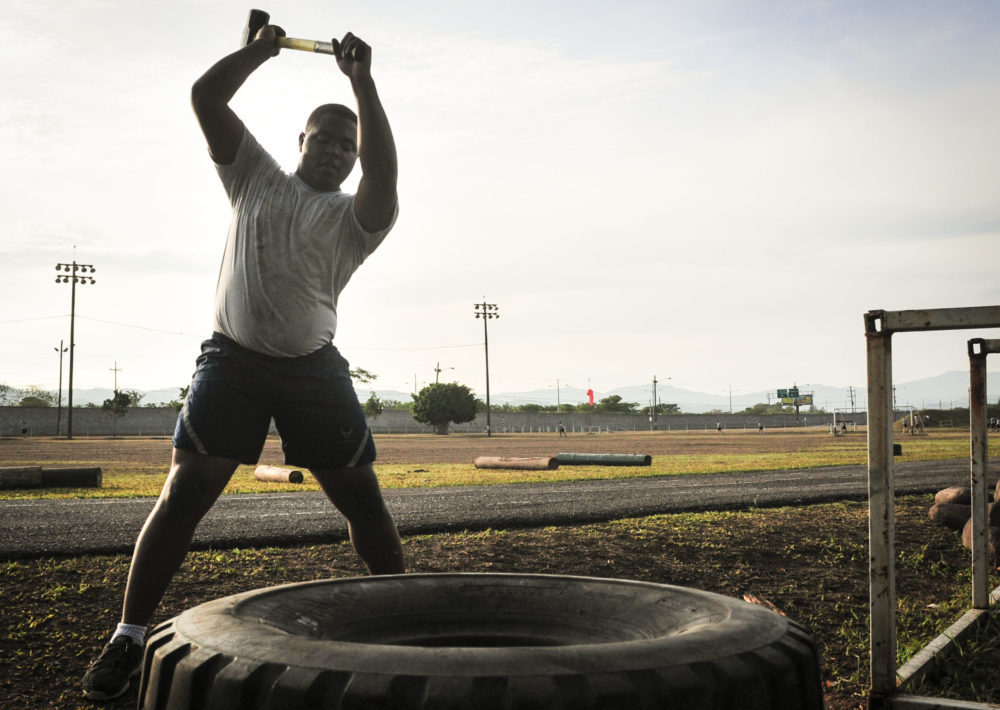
810, 562
454, 448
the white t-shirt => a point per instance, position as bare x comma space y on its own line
289, 253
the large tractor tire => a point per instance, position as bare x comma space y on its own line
479, 642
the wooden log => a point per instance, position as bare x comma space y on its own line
958, 495
992, 541
71, 477
20, 476
605, 459
522, 463
951, 515
277, 474
38, 477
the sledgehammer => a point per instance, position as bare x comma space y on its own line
260, 18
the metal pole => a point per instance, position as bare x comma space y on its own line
59, 410
978, 350
653, 418
486, 311
72, 350
881, 514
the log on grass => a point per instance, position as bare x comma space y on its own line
950, 515
605, 459
277, 474
518, 463
38, 477
961, 495
20, 476
992, 541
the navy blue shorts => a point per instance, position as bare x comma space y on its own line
235, 392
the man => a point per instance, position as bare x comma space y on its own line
293, 243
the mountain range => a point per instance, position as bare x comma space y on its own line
944, 391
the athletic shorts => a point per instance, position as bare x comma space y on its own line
235, 393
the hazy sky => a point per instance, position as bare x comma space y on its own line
714, 192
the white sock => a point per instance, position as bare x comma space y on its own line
134, 632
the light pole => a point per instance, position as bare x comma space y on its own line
60, 350
486, 311
438, 370
71, 278
652, 418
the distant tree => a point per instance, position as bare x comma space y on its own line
374, 407
394, 405
120, 403
35, 396
178, 404
442, 403
667, 408
362, 375
9, 396
762, 408
614, 404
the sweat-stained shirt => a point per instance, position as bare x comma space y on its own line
289, 253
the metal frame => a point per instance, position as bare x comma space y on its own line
886, 680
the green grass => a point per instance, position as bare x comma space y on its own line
125, 481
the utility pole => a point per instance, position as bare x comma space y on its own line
486, 311
116, 370
71, 278
652, 418
60, 350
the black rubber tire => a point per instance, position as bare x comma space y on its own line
482, 642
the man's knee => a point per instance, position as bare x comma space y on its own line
194, 484
355, 491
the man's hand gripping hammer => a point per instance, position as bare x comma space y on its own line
260, 18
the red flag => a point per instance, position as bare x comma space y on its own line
590, 395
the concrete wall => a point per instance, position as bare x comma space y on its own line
159, 421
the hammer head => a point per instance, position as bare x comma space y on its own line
256, 20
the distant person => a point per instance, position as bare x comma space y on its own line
561, 429
293, 244
718, 428
24, 429
760, 426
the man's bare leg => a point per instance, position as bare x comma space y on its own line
194, 484
355, 492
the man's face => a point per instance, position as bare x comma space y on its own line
327, 152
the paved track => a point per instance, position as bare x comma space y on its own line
72, 527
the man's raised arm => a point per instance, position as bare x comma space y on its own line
212, 92
375, 201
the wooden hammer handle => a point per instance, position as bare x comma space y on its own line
305, 45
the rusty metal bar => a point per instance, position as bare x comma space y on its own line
914, 702
934, 319
916, 669
977, 471
881, 517
879, 327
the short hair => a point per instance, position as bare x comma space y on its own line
333, 109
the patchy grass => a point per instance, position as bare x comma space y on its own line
138, 467
811, 562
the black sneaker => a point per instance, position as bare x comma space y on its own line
110, 674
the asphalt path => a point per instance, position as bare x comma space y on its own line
39, 528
